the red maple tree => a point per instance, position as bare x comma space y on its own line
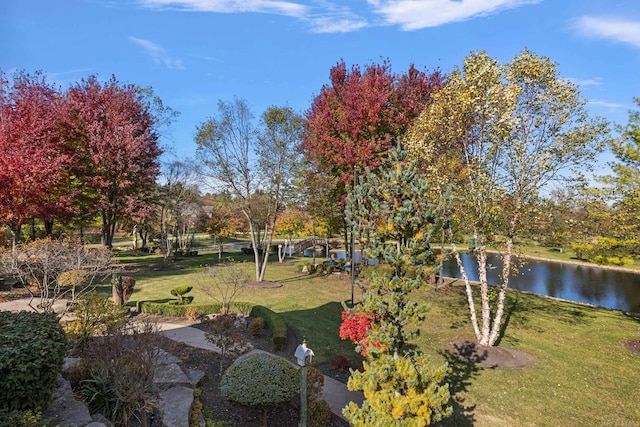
355, 119
34, 159
113, 126
355, 327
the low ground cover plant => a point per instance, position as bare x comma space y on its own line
32, 348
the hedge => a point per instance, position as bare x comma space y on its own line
32, 349
275, 323
176, 310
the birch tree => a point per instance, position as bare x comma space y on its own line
255, 166
516, 128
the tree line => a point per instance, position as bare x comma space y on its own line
513, 139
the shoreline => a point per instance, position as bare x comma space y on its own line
582, 263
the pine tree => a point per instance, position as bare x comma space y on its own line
395, 220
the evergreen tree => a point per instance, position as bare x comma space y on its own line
396, 221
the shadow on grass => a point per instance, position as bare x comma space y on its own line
463, 369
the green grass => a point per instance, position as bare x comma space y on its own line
582, 375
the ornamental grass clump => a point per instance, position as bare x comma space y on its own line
260, 380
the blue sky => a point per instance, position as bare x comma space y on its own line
279, 52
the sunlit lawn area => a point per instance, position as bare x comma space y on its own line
583, 375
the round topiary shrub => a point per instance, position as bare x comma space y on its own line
260, 380
32, 349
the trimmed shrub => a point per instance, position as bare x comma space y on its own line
260, 380
32, 349
256, 327
175, 310
180, 292
275, 323
319, 413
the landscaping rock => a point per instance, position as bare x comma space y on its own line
170, 374
175, 406
65, 410
194, 376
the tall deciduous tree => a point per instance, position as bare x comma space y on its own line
174, 193
34, 160
256, 167
626, 174
396, 221
516, 128
115, 128
355, 119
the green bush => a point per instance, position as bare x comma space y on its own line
32, 349
23, 419
256, 327
95, 315
175, 310
260, 380
275, 323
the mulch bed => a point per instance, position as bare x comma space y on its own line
491, 357
287, 414
632, 345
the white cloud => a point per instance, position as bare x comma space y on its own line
332, 25
608, 105
417, 14
616, 29
231, 6
324, 17
158, 54
597, 81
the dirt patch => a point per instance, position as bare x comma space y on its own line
491, 357
632, 345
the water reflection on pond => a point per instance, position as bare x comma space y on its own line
603, 287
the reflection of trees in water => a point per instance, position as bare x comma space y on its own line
593, 285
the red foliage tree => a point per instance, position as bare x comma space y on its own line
114, 126
34, 160
355, 119
355, 327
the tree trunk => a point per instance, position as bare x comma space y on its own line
48, 227
15, 233
468, 289
506, 269
481, 258
117, 291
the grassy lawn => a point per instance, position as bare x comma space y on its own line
583, 375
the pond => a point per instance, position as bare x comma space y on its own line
603, 287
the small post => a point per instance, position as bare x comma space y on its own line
304, 355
